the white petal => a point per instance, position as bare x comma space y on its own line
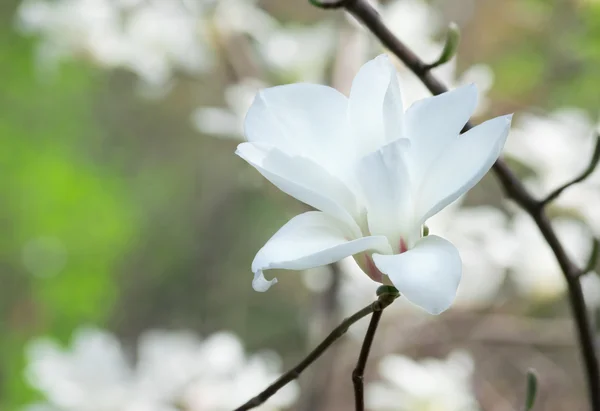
427, 275
375, 105
304, 119
310, 240
385, 184
432, 123
462, 164
303, 179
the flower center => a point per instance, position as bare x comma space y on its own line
403, 247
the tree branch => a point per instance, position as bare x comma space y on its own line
358, 373
512, 186
385, 299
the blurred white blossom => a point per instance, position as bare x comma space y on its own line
300, 53
151, 38
228, 122
427, 385
536, 272
242, 16
557, 148
487, 247
174, 371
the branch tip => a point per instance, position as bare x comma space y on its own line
329, 5
531, 393
593, 258
450, 47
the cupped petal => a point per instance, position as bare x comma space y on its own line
375, 108
384, 180
427, 275
310, 240
303, 119
434, 122
462, 164
303, 179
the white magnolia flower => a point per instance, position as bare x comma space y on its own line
375, 174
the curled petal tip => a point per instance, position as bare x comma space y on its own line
260, 283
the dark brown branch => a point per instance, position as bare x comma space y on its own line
512, 186
359, 371
585, 174
383, 301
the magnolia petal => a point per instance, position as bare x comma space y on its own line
462, 164
434, 122
303, 179
427, 275
310, 240
302, 119
384, 181
375, 105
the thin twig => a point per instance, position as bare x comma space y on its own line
338, 4
593, 258
377, 306
585, 174
513, 188
358, 373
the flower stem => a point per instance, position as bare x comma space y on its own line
358, 373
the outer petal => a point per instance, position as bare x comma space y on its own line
302, 119
462, 164
310, 240
385, 184
375, 106
433, 123
427, 275
303, 179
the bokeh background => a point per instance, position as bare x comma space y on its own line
129, 225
